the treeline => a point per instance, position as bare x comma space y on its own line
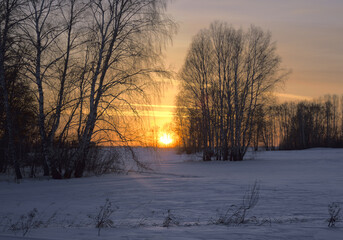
225, 82
316, 123
69, 69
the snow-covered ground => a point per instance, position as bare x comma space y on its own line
295, 190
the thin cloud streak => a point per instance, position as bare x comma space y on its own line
154, 106
293, 97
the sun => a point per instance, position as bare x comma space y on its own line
166, 139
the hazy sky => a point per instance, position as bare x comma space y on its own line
308, 33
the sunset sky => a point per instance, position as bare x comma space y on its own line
308, 33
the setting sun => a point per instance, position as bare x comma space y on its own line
166, 139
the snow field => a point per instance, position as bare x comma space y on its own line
295, 190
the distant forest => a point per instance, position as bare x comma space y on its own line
225, 104
307, 124
285, 126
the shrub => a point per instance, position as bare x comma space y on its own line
334, 210
26, 222
237, 214
170, 220
103, 218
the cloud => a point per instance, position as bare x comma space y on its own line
292, 97
154, 106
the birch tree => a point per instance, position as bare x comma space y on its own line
238, 68
48, 34
87, 61
197, 76
125, 40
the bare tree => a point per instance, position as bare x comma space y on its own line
124, 44
86, 60
9, 20
40, 32
230, 72
197, 76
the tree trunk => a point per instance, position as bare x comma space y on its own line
8, 121
9, 125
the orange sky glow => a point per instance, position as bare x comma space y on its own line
309, 37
